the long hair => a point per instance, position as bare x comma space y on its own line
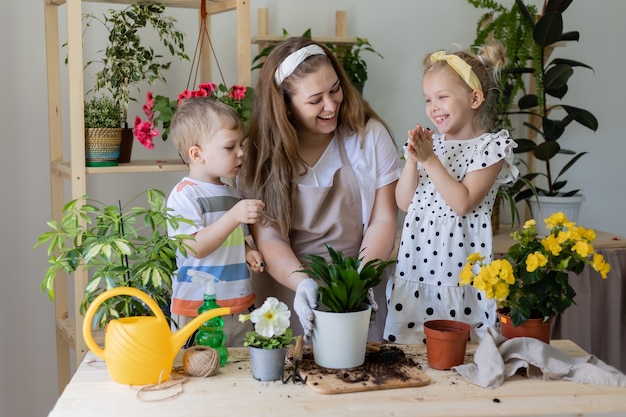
272, 159
487, 64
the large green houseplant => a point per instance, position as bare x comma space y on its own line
119, 246
551, 77
551, 80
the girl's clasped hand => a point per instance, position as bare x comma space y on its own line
420, 144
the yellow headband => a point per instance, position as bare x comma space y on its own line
460, 67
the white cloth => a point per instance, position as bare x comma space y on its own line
498, 358
436, 242
373, 158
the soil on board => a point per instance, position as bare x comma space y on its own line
388, 367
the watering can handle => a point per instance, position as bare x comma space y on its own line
93, 307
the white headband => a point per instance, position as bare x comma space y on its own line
289, 65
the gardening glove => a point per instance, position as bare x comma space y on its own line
304, 303
371, 301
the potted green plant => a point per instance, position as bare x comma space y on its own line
342, 317
120, 246
531, 282
103, 118
127, 61
269, 340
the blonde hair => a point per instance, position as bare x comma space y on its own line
272, 160
487, 64
197, 119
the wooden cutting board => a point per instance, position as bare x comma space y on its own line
377, 373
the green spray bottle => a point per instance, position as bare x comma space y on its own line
211, 332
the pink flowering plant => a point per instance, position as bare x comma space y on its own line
161, 109
532, 280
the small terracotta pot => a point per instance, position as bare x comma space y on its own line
446, 341
535, 328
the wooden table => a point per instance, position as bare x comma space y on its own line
233, 392
597, 322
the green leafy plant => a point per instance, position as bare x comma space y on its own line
532, 279
271, 325
349, 57
509, 26
352, 62
127, 61
346, 281
120, 246
103, 112
551, 79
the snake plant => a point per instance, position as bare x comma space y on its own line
345, 282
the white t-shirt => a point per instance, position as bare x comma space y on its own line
373, 159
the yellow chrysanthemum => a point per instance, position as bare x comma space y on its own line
535, 260
556, 219
466, 275
500, 291
506, 272
475, 258
600, 265
552, 245
583, 248
529, 223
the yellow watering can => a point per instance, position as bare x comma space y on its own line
140, 350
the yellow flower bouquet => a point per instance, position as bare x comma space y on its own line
532, 279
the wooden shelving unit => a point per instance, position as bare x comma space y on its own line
70, 170
264, 39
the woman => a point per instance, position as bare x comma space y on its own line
326, 167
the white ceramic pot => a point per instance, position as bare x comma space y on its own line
543, 207
339, 339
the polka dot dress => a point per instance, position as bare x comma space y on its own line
436, 241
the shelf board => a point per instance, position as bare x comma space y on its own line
213, 6
263, 39
67, 328
64, 168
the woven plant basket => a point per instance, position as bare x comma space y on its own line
102, 146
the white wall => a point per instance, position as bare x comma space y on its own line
401, 30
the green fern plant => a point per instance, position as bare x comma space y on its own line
345, 283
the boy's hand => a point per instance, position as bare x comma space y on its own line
248, 211
255, 260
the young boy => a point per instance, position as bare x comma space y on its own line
208, 135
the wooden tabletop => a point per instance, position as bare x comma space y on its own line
233, 392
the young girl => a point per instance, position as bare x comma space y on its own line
448, 187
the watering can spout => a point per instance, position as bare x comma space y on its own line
181, 336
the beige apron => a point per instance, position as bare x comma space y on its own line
323, 215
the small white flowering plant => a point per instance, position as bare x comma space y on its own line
532, 280
271, 325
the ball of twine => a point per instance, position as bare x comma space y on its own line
201, 361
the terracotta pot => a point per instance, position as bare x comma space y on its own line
446, 341
267, 364
535, 328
